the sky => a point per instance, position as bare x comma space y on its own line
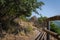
51, 8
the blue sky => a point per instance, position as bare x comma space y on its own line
51, 8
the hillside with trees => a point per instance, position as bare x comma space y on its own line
15, 23
12, 11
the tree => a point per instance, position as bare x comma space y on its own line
11, 9
54, 28
41, 18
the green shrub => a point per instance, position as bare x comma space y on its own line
28, 29
55, 28
23, 18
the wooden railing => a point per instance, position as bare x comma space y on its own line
39, 36
55, 35
43, 35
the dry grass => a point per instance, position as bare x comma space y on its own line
19, 36
22, 35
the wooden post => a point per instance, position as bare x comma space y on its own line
55, 35
0, 30
48, 27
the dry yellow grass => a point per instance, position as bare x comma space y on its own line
21, 35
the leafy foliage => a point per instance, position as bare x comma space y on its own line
11, 9
18, 7
28, 29
55, 28
23, 18
41, 18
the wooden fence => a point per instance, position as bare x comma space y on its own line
43, 35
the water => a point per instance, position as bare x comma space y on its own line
57, 23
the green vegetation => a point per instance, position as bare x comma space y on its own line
41, 18
55, 28
28, 29
23, 18
12, 9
